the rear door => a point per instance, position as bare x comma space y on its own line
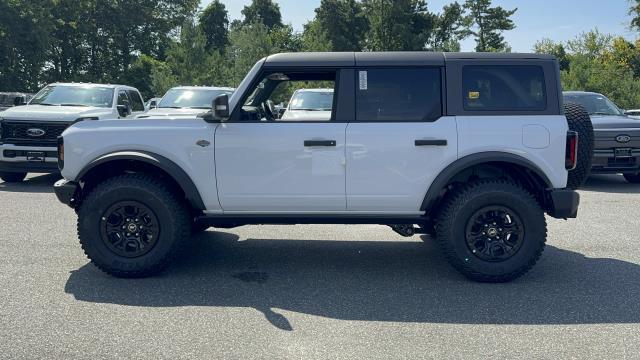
399, 140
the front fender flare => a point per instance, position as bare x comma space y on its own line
176, 172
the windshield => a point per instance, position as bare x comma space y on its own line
190, 98
594, 104
312, 100
74, 96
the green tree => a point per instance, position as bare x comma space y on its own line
248, 44
548, 46
449, 29
263, 11
25, 28
397, 24
214, 22
192, 63
343, 23
314, 38
487, 23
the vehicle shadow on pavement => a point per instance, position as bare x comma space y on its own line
35, 184
610, 184
372, 281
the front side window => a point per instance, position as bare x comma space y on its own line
59, 95
123, 99
178, 98
411, 94
503, 88
136, 101
291, 96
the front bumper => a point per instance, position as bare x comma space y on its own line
605, 161
564, 203
66, 191
14, 158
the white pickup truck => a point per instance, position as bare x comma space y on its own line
473, 149
28, 133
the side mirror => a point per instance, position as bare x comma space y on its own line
219, 109
153, 105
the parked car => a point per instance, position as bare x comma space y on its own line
11, 99
186, 101
28, 133
617, 136
152, 103
309, 104
478, 168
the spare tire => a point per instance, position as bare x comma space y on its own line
580, 122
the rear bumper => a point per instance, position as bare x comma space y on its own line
66, 191
565, 203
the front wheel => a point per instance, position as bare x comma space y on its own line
491, 230
632, 178
132, 225
12, 177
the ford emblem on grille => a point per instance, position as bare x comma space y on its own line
34, 132
623, 139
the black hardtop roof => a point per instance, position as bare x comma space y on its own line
410, 58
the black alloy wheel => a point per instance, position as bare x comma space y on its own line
494, 233
129, 229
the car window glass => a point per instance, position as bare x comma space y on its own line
122, 98
503, 88
293, 97
136, 101
411, 94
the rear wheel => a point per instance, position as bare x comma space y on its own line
580, 122
132, 225
632, 178
12, 177
491, 230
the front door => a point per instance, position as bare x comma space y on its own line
269, 162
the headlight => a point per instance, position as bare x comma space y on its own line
60, 153
86, 118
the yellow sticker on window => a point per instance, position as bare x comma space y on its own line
473, 95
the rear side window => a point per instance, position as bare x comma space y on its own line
411, 94
504, 88
136, 101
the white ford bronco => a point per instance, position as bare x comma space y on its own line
28, 134
472, 149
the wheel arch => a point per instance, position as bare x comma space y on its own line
142, 161
530, 176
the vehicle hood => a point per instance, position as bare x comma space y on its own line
160, 112
610, 122
53, 113
302, 115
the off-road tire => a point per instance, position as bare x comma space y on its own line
457, 209
12, 177
632, 178
171, 212
580, 122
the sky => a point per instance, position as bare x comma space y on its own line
558, 20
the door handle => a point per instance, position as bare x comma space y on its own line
431, 142
309, 143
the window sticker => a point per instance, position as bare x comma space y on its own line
474, 95
363, 80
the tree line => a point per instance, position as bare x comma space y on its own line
156, 44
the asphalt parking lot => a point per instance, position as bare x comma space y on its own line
305, 292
